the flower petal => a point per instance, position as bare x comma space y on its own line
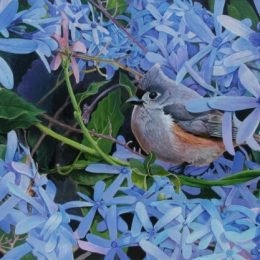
227, 132
18, 46
78, 46
197, 26
235, 26
143, 216
56, 62
169, 216
153, 250
198, 105
248, 126
6, 75
86, 222
8, 10
249, 80
111, 220
232, 103
28, 223
11, 146
88, 246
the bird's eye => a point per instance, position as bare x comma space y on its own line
153, 95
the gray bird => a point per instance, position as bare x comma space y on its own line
162, 124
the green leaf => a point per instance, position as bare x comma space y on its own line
105, 119
48, 147
211, 5
256, 155
88, 179
139, 179
177, 182
137, 165
125, 82
233, 12
241, 9
15, 112
2, 151
158, 170
149, 160
116, 7
92, 90
29, 257
149, 182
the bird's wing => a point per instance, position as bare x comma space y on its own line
206, 124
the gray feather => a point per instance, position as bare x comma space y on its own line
206, 124
178, 112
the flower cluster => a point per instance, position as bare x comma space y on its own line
166, 224
28, 207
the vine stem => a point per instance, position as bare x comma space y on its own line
74, 144
108, 61
77, 114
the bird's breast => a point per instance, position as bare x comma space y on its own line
156, 132
152, 129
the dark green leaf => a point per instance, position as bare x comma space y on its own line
116, 7
126, 83
149, 182
86, 178
211, 5
241, 9
2, 151
136, 164
256, 156
16, 112
28, 257
107, 118
233, 12
149, 160
92, 90
158, 170
48, 147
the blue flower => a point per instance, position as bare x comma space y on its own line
101, 200
122, 173
158, 233
114, 245
43, 221
212, 46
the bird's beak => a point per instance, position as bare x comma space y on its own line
135, 101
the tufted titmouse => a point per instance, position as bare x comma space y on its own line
161, 123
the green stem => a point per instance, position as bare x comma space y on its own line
230, 180
66, 140
74, 144
78, 117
